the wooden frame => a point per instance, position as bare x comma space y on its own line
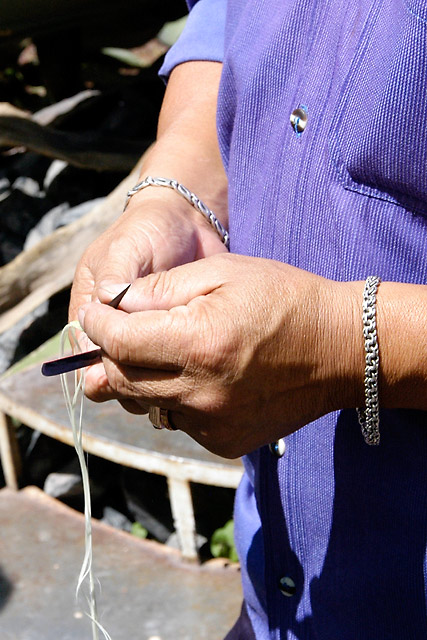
116, 436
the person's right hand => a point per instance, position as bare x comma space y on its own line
158, 231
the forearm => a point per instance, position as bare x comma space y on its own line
402, 337
187, 148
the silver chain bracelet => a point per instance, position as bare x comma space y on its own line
195, 202
369, 416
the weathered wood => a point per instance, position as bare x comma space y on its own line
48, 114
8, 110
9, 452
123, 438
85, 150
34, 299
147, 591
113, 434
52, 111
49, 266
183, 516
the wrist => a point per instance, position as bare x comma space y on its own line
167, 215
181, 200
196, 164
401, 318
343, 345
159, 182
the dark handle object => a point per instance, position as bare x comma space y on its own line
71, 363
79, 360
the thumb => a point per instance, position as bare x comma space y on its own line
167, 289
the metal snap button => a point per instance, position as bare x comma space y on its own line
298, 119
287, 586
278, 448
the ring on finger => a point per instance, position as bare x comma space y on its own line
160, 418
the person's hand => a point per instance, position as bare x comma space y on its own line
241, 350
159, 230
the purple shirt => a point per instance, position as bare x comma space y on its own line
344, 522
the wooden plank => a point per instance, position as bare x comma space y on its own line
164, 461
84, 150
146, 591
112, 433
183, 516
9, 452
30, 274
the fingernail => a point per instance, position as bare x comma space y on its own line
112, 288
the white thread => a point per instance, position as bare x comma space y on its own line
73, 401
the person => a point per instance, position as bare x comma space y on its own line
300, 124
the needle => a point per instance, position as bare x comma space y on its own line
71, 363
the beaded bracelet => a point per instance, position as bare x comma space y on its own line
369, 416
195, 202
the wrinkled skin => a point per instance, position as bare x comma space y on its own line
238, 348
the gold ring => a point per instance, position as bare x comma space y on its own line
159, 418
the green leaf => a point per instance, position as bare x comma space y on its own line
138, 530
222, 543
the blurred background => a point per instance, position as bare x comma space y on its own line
79, 101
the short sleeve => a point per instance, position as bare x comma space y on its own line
202, 38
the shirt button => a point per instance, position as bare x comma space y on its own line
298, 119
278, 448
287, 586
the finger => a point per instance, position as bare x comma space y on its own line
81, 291
143, 243
108, 291
99, 388
141, 339
169, 289
121, 256
146, 386
160, 325
84, 342
134, 407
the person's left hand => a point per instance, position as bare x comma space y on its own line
242, 351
